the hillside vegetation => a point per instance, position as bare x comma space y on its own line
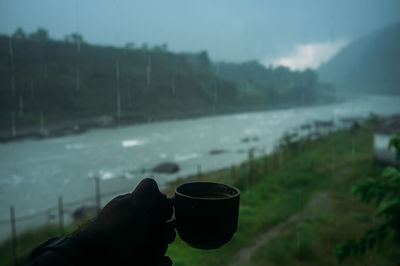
275, 86
44, 81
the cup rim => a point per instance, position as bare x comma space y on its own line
207, 199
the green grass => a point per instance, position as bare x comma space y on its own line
27, 240
276, 190
327, 165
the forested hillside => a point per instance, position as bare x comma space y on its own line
275, 85
45, 81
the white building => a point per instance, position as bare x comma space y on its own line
382, 135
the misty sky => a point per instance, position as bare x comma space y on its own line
295, 33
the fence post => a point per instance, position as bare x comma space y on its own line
251, 166
265, 163
61, 214
97, 180
13, 235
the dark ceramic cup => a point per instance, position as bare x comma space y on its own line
206, 214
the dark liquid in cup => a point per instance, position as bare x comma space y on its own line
206, 191
212, 196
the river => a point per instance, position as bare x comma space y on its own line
34, 173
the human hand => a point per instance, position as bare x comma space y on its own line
132, 228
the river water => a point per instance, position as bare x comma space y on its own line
34, 173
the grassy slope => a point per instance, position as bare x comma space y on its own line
326, 165
279, 190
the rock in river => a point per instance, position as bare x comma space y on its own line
217, 151
166, 168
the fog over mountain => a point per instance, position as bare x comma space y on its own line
368, 64
297, 34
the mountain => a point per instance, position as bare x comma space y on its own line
369, 64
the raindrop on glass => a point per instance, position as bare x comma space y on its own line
118, 106
12, 85
77, 79
117, 70
13, 130
173, 85
148, 71
11, 51
41, 122
32, 89
21, 105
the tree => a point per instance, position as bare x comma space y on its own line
203, 59
76, 38
19, 34
310, 78
385, 191
145, 47
157, 48
40, 35
160, 48
129, 46
164, 47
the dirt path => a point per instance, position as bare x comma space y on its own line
320, 200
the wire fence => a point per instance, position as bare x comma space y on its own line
61, 214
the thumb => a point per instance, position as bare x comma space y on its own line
151, 201
146, 193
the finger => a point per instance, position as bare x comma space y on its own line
172, 223
164, 261
150, 260
152, 249
160, 236
163, 208
169, 234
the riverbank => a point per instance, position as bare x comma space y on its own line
58, 128
273, 189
